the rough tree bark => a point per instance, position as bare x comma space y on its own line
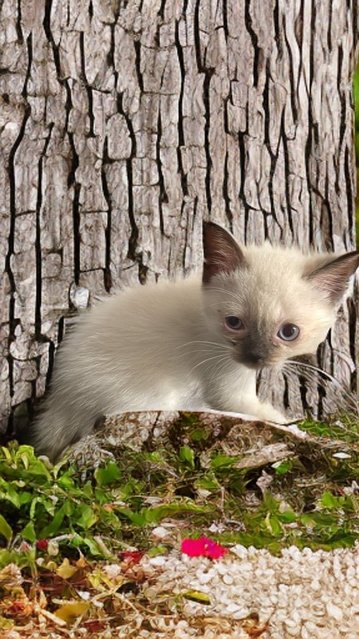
125, 122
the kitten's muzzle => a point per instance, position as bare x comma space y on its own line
254, 357
254, 360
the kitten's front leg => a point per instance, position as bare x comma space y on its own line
265, 411
238, 394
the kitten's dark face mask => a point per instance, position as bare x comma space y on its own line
257, 347
260, 348
253, 353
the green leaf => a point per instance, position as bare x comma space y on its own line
108, 475
287, 517
156, 551
94, 548
328, 500
273, 525
186, 455
207, 482
8, 493
5, 530
66, 510
199, 434
29, 532
86, 517
21, 559
283, 467
222, 461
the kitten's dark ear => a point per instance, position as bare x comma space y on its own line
332, 278
221, 252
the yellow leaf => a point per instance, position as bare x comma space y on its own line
6, 624
51, 565
66, 570
199, 597
103, 582
81, 562
71, 611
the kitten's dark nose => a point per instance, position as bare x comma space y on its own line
254, 357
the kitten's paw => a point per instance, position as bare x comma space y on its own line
270, 414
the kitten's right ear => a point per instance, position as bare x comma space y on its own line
221, 252
333, 276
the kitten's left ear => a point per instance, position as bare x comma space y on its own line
332, 278
221, 252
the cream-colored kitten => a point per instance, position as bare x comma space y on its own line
196, 342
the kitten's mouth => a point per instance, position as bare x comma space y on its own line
253, 362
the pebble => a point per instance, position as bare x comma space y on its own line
301, 593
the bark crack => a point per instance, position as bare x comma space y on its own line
87, 86
309, 145
137, 45
163, 197
277, 30
107, 277
181, 140
225, 18
19, 33
225, 193
242, 168
75, 205
350, 199
254, 39
286, 173
207, 116
293, 93
13, 321
38, 250
161, 11
55, 49
197, 36
133, 253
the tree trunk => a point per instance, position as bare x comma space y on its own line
125, 122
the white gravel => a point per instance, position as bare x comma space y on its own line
302, 594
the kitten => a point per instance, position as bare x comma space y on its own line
194, 343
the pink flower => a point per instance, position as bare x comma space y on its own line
203, 547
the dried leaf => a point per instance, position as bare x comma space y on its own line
69, 612
66, 570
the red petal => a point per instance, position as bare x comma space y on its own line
203, 547
133, 556
42, 544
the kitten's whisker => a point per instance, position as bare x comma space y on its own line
315, 369
205, 351
209, 359
346, 397
222, 365
312, 374
200, 341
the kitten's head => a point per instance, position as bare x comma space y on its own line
270, 303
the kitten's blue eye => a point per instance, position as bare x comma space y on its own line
234, 323
288, 332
